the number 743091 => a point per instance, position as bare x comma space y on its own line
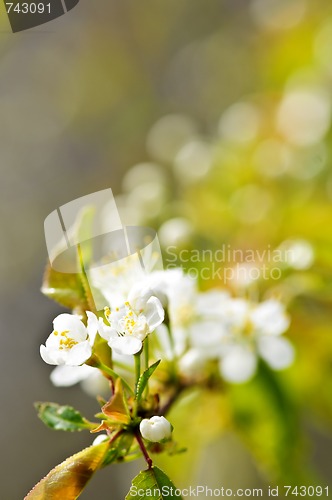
28, 8
307, 491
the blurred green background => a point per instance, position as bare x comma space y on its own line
229, 102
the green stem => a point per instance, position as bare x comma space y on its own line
85, 282
146, 352
137, 358
108, 371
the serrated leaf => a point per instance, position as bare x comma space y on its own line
62, 418
152, 484
144, 378
67, 480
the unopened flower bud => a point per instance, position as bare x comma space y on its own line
100, 439
155, 429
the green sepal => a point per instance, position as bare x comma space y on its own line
116, 409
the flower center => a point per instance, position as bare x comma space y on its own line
130, 323
65, 342
183, 315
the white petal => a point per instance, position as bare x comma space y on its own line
116, 317
165, 349
72, 323
207, 335
95, 384
52, 355
239, 365
46, 355
278, 352
180, 339
65, 376
155, 429
192, 363
79, 354
125, 360
235, 312
106, 332
154, 313
92, 326
269, 317
126, 345
52, 342
138, 297
210, 303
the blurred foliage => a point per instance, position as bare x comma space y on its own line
257, 178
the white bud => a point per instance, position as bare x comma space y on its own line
100, 439
155, 429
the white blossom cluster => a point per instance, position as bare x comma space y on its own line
199, 327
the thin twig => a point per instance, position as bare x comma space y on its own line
143, 449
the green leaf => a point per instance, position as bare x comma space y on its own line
152, 484
144, 378
67, 480
62, 418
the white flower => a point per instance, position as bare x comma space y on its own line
254, 330
210, 323
71, 341
132, 322
155, 429
181, 293
171, 286
236, 332
115, 280
235, 314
